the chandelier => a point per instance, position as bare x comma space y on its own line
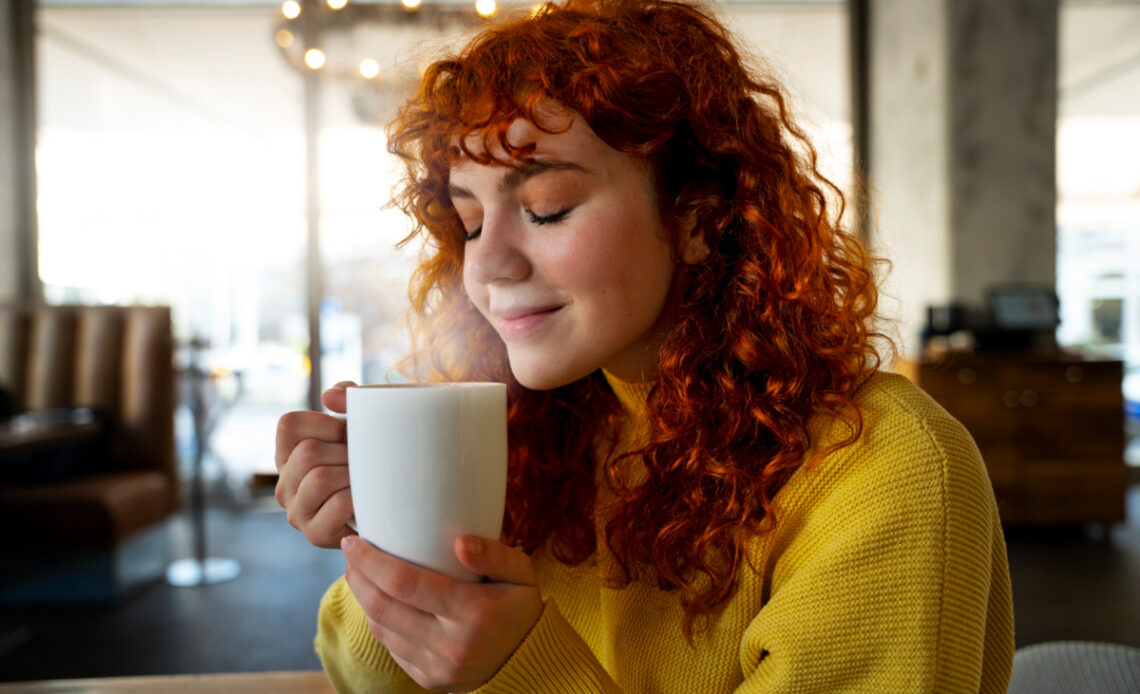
322, 39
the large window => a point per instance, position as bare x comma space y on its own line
1098, 189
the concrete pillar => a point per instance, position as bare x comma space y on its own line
963, 106
18, 275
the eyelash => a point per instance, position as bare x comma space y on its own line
534, 219
548, 219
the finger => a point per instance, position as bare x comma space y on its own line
307, 476
415, 660
498, 562
317, 484
334, 397
330, 524
294, 427
309, 455
412, 585
389, 617
410, 668
427, 669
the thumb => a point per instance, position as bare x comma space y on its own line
498, 562
334, 397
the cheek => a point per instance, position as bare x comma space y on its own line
629, 281
642, 268
651, 285
619, 255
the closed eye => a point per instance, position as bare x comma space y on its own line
548, 219
537, 220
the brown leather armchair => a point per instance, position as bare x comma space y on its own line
94, 534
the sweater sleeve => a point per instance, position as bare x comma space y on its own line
896, 581
552, 658
354, 661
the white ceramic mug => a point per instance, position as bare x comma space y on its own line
428, 462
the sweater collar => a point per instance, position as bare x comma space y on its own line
632, 396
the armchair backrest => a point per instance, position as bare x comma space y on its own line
119, 359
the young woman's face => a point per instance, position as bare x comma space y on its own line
567, 257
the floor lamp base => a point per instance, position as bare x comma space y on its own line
191, 572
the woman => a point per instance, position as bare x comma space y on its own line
712, 489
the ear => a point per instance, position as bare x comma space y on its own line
693, 247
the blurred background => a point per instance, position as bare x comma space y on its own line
226, 160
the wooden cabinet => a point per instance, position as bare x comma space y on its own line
1050, 428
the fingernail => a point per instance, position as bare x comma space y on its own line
473, 546
348, 542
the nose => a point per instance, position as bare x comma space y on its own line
497, 255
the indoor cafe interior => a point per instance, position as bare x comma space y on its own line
196, 237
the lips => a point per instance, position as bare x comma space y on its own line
519, 322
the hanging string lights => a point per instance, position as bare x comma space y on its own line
337, 41
306, 26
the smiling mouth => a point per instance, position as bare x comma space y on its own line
518, 327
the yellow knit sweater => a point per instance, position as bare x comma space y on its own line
886, 573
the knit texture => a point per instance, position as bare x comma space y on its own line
886, 572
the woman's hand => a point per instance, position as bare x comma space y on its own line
448, 635
312, 467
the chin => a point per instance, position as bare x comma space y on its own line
539, 381
537, 375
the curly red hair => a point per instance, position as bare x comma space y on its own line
775, 323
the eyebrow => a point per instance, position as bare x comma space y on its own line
519, 175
